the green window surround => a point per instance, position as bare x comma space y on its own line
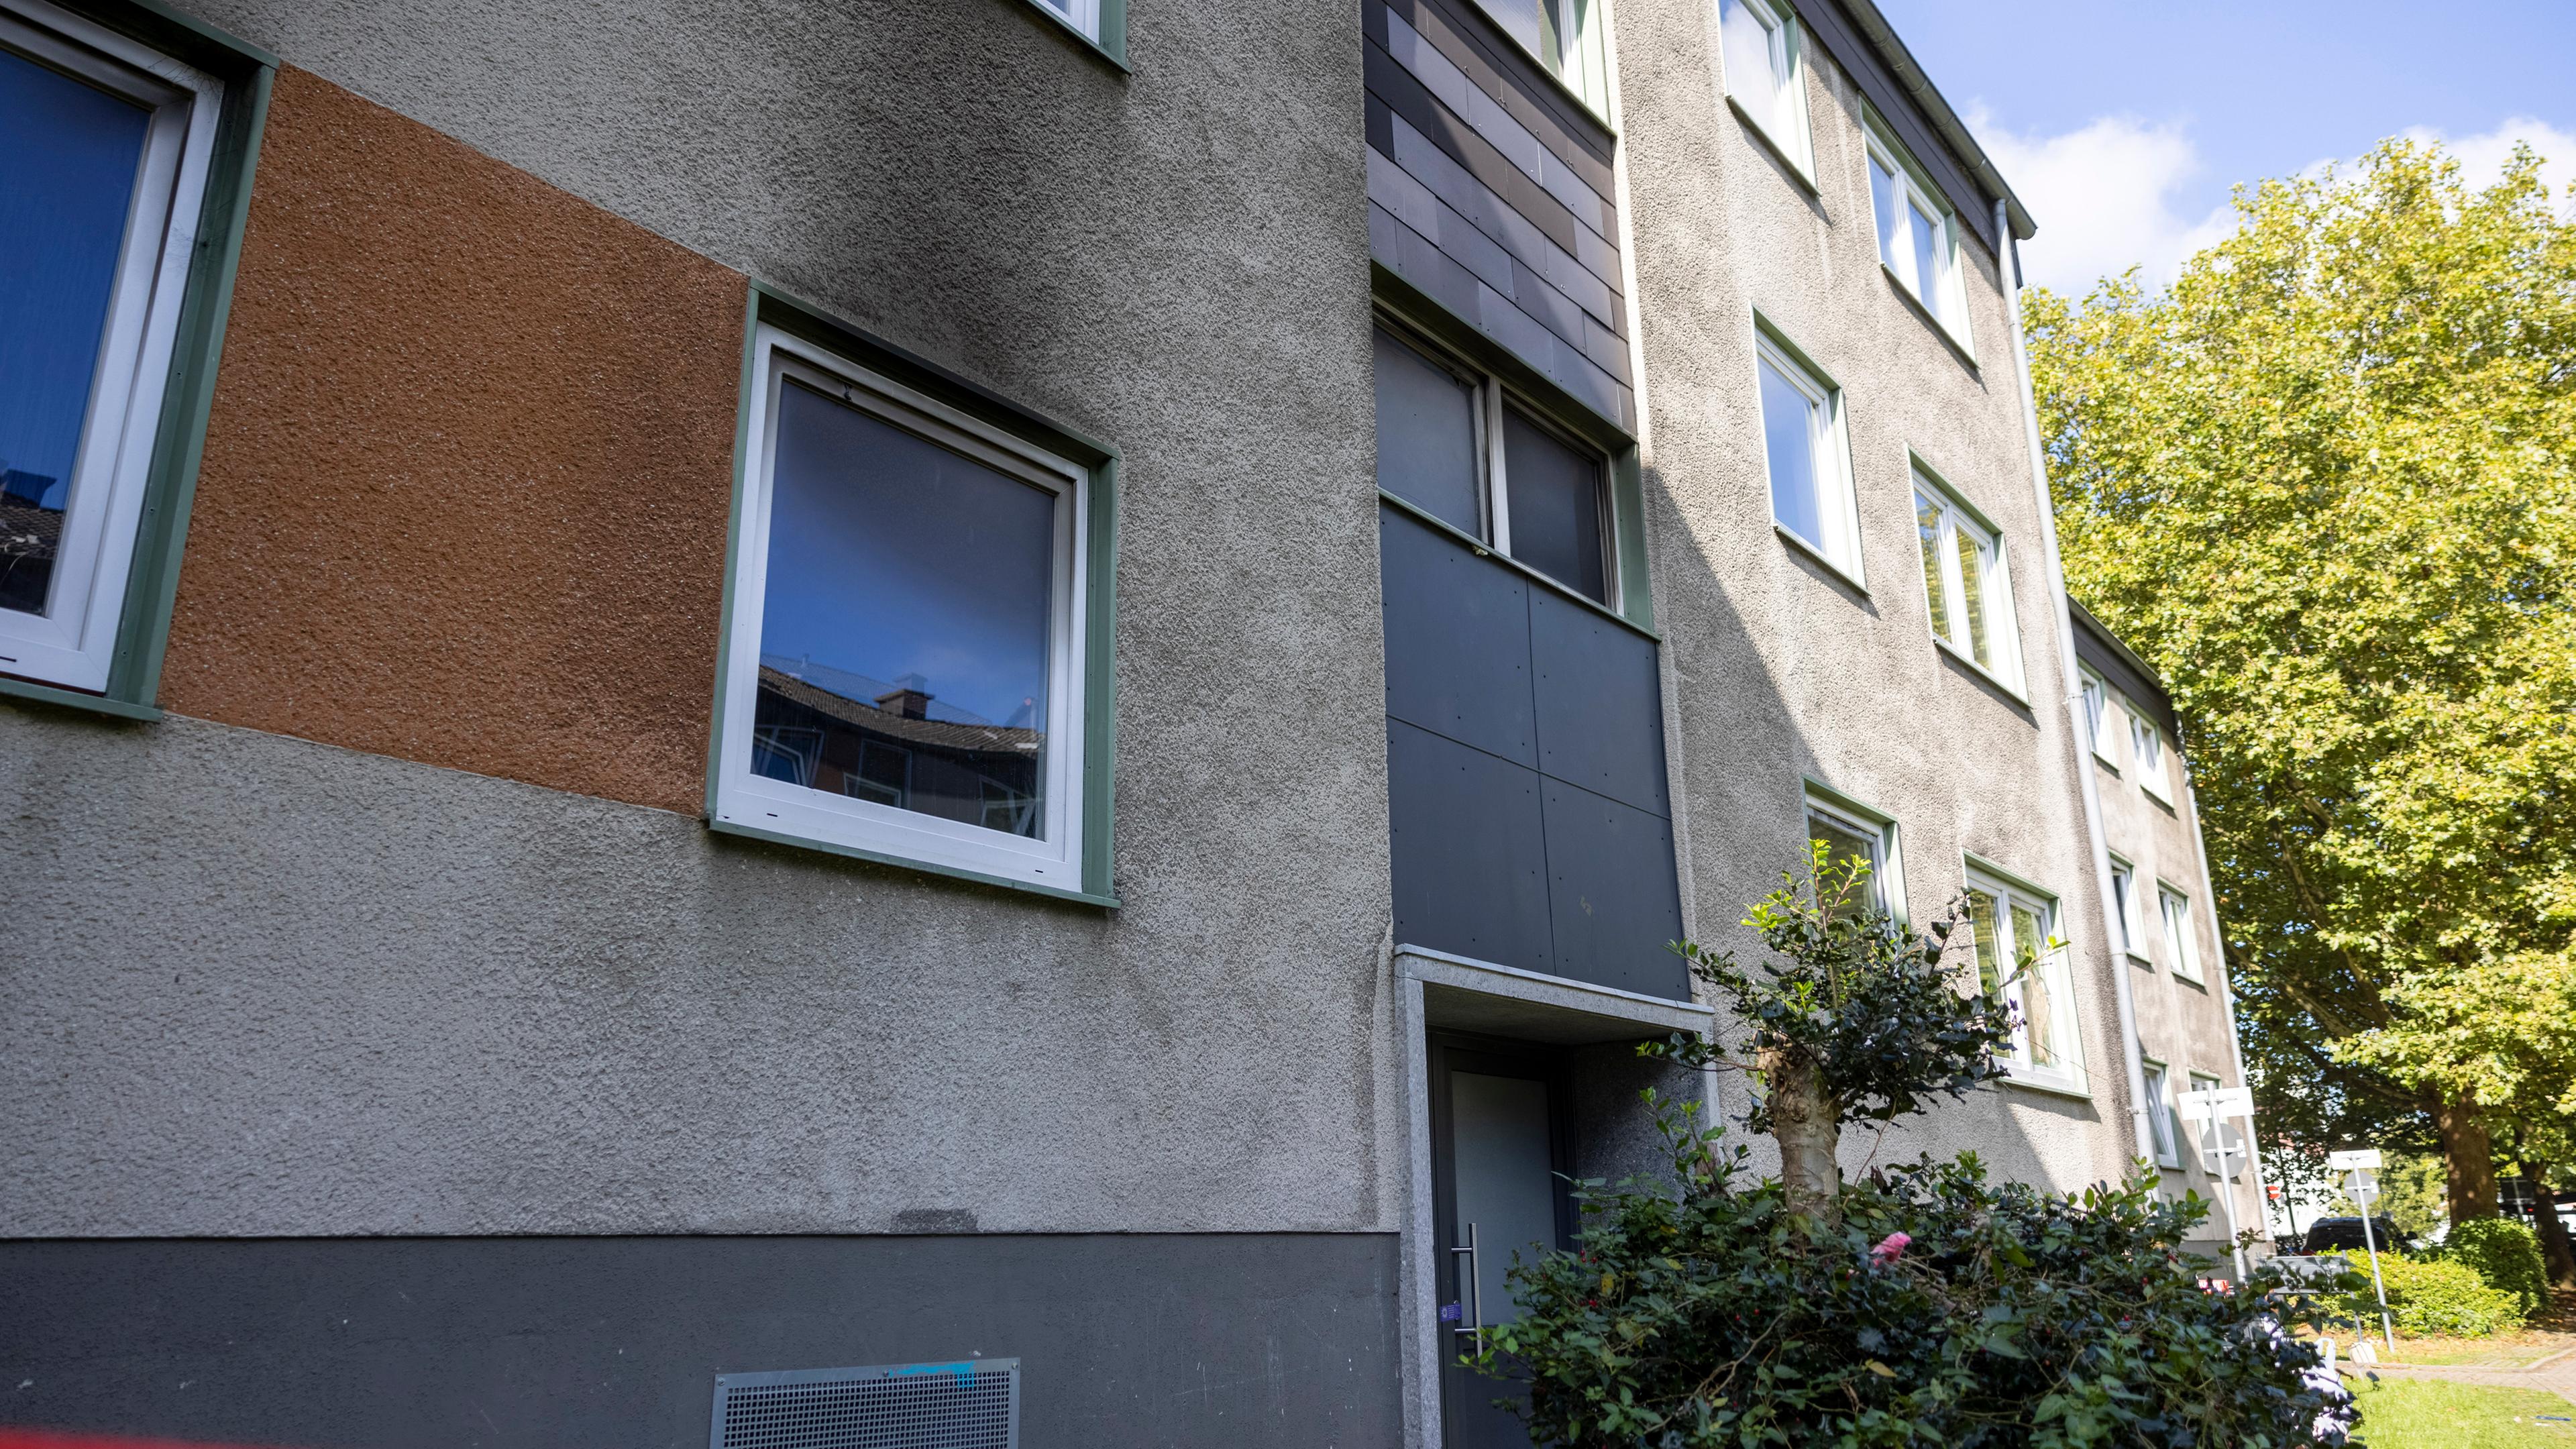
1100, 25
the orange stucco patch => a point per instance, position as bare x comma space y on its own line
468, 471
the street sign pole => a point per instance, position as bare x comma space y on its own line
2363, 1190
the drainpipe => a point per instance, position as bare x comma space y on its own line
2227, 997
2008, 264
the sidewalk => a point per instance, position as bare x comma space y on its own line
2556, 1373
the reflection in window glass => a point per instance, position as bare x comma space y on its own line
1927, 525
2097, 699
2012, 927
74, 153
1791, 419
1554, 494
2160, 1114
2124, 885
1755, 45
1916, 239
2178, 935
1566, 37
1426, 436
1844, 843
1971, 552
1962, 583
905, 622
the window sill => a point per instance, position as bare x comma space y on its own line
74, 699
1801, 543
2152, 793
2106, 762
2201, 982
1958, 345
2055, 1086
1997, 680
1488, 551
852, 852
1116, 57
2139, 959
1802, 172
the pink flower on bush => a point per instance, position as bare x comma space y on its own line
1890, 1248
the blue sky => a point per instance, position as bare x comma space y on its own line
2122, 123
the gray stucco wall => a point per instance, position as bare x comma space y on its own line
555, 1343
1779, 667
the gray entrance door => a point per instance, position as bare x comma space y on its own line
1499, 1147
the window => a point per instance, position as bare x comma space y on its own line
1759, 47
2124, 904
2184, 951
1566, 37
1964, 580
1802, 440
2215, 1132
2162, 1122
1453, 444
1102, 22
110, 146
1848, 833
2147, 751
2017, 950
906, 671
1918, 237
2097, 715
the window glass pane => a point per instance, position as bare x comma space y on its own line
1842, 844
1990, 960
1426, 436
1927, 526
2039, 1007
1745, 38
2158, 1114
1555, 497
2094, 702
1972, 593
73, 157
1928, 268
2121, 885
1789, 421
904, 629
1888, 202
1522, 20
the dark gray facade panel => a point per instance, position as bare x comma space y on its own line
1457, 642
1469, 853
1446, 280
1593, 284
1613, 896
1829, 25
1395, 87
1499, 68
1599, 702
390, 1343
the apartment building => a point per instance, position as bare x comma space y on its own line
771, 720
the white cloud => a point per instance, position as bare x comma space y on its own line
2105, 199
2105, 195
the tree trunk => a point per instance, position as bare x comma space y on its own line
2468, 1155
2555, 1249
1805, 1126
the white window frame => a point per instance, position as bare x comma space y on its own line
2003, 626
2210, 1132
2099, 704
1778, 114
1837, 499
1493, 484
1946, 301
2056, 966
1082, 15
74, 644
2124, 906
2147, 748
751, 801
2164, 1122
1887, 871
2173, 909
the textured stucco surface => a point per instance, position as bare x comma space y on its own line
256, 985
468, 467
1781, 668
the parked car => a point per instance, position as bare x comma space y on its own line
2327, 1235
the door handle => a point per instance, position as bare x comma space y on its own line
1475, 1291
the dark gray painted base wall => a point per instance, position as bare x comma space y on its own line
373, 1343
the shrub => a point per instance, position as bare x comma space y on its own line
2505, 1256
2433, 1296
1945, 1310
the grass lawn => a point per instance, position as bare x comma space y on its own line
2425, 1414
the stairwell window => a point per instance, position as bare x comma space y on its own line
1809, 467
110, 148
1760, 50
1453, 443
2182, 948
1965, 583
1918, 236
906, 662
2015, 930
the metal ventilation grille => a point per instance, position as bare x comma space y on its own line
971, 1405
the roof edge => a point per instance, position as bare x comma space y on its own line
2119, 646
1918, 86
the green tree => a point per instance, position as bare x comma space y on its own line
2327, 484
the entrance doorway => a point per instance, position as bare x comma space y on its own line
1500, 1153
